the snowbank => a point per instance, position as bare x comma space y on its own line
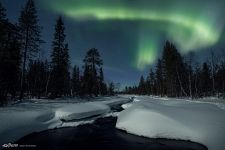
199, 122
33, 115
81, 111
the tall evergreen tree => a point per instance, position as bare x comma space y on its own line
60, 78
205, 84
197, 80
102, 85
189, 69
150, 83
9, 58
76, 81
159, 78
37, 78
111, 88
30, 37
173, 71
3, 31
93, 62
142, 86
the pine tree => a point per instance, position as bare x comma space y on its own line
102, 85
150, 83
173, 71
190, 73
220, 79
111, 89
76, 81
30, 37
205, 85
142, 86
159, 78
92, 62
3, 32
9, 58
60, 78
37, 78
196, 80
86, 80
9, 69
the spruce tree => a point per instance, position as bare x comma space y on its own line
159, 78
60, 78
30, 37
102, 85
93, 62
3, 31
37, 78
173, 71
9, 58
150, 83
142, 86
111, 89
205, 84
76, 81
86, 80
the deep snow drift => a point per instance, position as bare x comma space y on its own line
30, 116
198, 121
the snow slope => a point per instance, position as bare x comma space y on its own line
30, 116
202, 122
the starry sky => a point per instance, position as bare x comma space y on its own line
130, 34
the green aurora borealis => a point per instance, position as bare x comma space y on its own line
130, 34
191, 25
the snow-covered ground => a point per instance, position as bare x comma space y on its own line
35, 115
201, 120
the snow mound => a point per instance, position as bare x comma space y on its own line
199, 122
81, 111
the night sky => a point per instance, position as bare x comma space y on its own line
130, 34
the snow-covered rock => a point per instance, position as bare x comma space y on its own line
176, 119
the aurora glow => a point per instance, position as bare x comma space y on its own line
191, 26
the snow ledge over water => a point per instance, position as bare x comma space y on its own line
175, 119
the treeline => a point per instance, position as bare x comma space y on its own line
23, 73
177, 76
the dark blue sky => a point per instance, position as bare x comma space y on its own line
130, 33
